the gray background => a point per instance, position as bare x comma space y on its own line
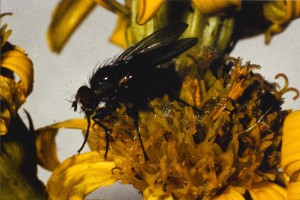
57, 77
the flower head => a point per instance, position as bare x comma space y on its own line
229, 143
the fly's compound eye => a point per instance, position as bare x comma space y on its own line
86, 98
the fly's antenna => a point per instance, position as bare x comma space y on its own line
74, 104
68, 100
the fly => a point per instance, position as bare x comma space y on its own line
139, 74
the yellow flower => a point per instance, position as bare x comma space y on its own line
229, 150
12, 93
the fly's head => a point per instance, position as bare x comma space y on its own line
86, 98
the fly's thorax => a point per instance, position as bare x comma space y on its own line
105, 86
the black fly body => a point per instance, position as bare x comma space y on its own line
134, 77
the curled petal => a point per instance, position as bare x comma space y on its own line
286, 87
213, 6
291, 143
79, 175
280, 13
17, 61
147, 9
12, 93
46, 145
65, 19
267, 190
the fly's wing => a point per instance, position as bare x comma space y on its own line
159, 47
151, 58
162, 37
162, 54
165, 54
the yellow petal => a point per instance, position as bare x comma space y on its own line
230, 194
213, 6
290, 160
65, 19
267, 190
46, 145
293, 190
80, 175
146, 10
17, 61
291, 143
120, 36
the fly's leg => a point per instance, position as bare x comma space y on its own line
86, 134
136, 124
107, 131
